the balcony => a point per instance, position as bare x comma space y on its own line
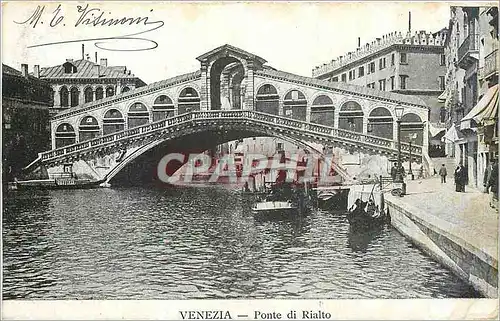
490, 65
468, 52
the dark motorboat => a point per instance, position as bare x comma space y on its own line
366, 215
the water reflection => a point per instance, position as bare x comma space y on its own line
186, 243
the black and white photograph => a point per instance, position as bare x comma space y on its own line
249, 160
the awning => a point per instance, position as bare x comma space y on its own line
485, 112
452, 135
434, 131
442, 97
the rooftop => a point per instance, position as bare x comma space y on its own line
420, 38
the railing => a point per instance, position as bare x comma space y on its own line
238, 115
490, 64
471, 43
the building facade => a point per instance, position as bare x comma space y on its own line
471, 85
411, 64
25, 119
76, 82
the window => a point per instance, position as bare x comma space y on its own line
403, 59
371, 85
361, 71
351, 75
403, 79
392, 82
441, 82
279, 146
381, 84
344, 77
381, 63
392, 60
442, 61
372, 67
335, 79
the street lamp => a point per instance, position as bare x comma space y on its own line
399, 113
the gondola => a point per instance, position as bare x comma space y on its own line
365, 215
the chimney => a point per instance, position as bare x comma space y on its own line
24, 70
36, 71
359, 42
83, 51
409, 21
96, 57
96, 70
104, 62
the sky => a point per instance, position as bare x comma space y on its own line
293, 36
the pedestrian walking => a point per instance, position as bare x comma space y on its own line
458, 175
443, 173
421, 171
492, 185
394, 172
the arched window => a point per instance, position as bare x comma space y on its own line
89, 128
65, 135
64, 96
351, 117
322, 111
163, 107
267, 100
189, 100
99, 93
138, 115
110, 91
381, 123
113, 122
89, 95
75, 97
412, 128
295, 105
125, 89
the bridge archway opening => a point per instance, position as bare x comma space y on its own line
138, 114
99, 93
189, 100
88, 129
381, 123
219, 85
163, 107
351, 117
113, 121
235, 90
65, 135
323, 111
295, 105
110, 91
88, 94
64, 96
412, 128
74, 96
267, 100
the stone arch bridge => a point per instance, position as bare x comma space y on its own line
233, 95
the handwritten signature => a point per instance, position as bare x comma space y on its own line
95, 17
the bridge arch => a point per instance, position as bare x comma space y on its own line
113, 121
215, 69
412, 128
295, 104
110, 91
351, 116
163, 107
65, 135
381, 123
267, 99
188, 100
64, 96
137, 114
99, 93
323, 110
74, 93
88, 128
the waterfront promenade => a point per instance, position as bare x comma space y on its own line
459, 229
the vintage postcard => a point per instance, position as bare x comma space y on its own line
249, 160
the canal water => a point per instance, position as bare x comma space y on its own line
195, 243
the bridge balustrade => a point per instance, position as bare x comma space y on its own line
241, 114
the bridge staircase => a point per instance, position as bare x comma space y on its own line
262, 124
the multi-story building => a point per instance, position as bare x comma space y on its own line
25, 119
471, 89
413, 64
81, 81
